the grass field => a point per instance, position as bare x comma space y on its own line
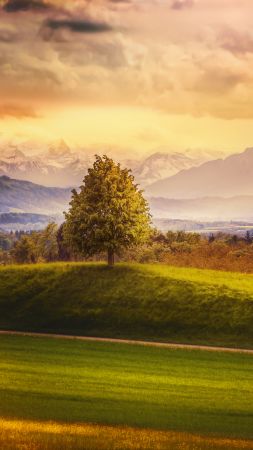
200, 392
149, 302
28, 435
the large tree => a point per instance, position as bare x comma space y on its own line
109, 213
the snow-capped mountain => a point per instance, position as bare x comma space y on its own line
59, 155
58, 165
161, 165
12, 155
15, 163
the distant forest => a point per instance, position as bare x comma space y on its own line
219, 251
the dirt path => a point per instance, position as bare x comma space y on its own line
131, 342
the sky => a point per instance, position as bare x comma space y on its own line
134, 74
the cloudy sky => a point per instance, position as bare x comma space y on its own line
130, 73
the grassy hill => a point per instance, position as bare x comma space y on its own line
131, 301
200, 392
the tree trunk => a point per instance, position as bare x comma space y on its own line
110, 258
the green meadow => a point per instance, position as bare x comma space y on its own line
69, 381
150, 302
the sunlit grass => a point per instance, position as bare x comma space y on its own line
73, 381
31, 435
232, 280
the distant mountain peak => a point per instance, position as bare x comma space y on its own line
11, 153
59, 148
161, 165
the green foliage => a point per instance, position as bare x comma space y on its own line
68, 380
47, 246
24, 250
37, 246
138, 301
177, 237
4, 258
64, 250
219, 252
109, 213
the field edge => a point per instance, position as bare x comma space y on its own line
34, 432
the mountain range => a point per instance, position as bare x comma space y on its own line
163, 164
221, 189
229, 177
58, 165
17, 196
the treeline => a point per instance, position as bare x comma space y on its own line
40, 246
220, 251
7, 241
217, 251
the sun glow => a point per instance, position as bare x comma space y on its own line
174, 74
138, 130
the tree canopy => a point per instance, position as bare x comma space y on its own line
109, 213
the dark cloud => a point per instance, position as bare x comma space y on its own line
182, 4
17, 111
12, 6
77, 26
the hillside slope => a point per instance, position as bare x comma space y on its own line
24, 196
232, 176
131, 301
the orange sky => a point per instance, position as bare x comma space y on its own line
137, 74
